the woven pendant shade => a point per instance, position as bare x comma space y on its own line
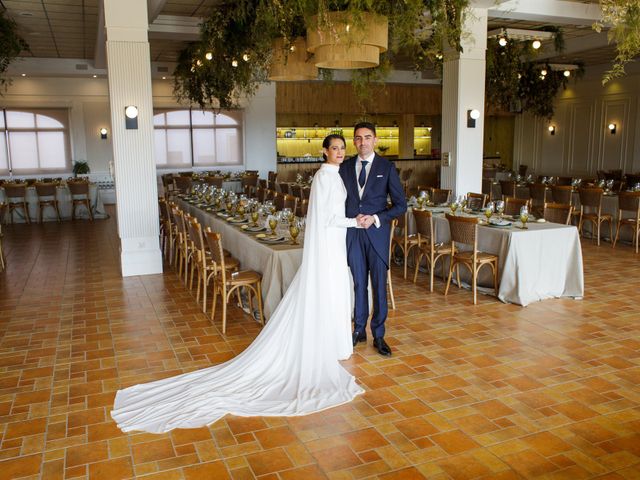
292, 65
345, 45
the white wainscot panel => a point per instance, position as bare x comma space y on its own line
581, 138
614, 149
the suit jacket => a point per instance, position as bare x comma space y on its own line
383, 182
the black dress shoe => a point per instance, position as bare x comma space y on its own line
382, 347
358, 337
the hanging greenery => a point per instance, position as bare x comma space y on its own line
516, 82
232, 57
11, 44
623, 19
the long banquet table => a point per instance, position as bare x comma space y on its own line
542, 262
63, 195
278, 263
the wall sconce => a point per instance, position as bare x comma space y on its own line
103, 133
612, 128
552, 129
131, 117
472, 116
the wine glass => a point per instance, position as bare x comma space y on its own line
524, 216
462, 201
255, 215
240, 210
294, 231
488, 211
453, 206
420, 201
273, 224
500, 208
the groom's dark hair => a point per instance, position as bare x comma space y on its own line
368, 125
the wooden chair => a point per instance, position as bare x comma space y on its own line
166, 229
296, 190
260, 194
182, 184
270, 195
464, 230
476, 201
284, 188
562, 194
538, 193
225, 283
394, 224
249, 191
47, 198
250, 180
16, 194
487, 187
262, 183
303, 207
80, 196
272, 176
632, 179
591, 198
278, 201
216, 181
558, 213
272, 185
508, 188
629, 202
513, 205
564, 181
182, 243
440, 195
400, 238
290, 202
306, 193
426, 245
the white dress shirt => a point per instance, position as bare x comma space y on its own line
367, 171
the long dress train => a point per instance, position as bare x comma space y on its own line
292, 367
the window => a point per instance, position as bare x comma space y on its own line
193, 138
34, 141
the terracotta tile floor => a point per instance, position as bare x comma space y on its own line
487, 392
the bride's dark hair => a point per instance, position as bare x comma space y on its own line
326, 143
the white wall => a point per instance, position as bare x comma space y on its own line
582, 143
88, 103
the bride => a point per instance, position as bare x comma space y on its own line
292, 367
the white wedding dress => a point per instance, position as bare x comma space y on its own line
292, 367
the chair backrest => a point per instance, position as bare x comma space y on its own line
508, 188
303, 207
489, 172
290, 202
251, 180
272, 185
260, 194
214, 241
269, 194
164, 210
278, 200
263, 183
513, 205
591, 197
272, 176
186, 174
195, 233
564, 181
424, 225
46, 189
538, 192
629, 201
440, 195
78, 188
15, 190
182, 183
463, 230
476, 201
214, 180
284, 188
306, 192
632, 180
613, 174
522, 170
406, 174
394, 223
558, 213
249, 190
296, 190
251, 172
561, 194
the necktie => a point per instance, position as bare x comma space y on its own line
362, 178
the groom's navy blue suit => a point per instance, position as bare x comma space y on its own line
368, 249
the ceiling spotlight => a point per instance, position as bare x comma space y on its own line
198, 62
502, 42
439, 56
23, 74
164, 78
567, 73
245, 57
234, 63
543, 72
95, 76
536, 44
519, 76
208, 55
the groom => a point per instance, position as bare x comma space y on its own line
369, 180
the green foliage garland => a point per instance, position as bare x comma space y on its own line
245, 29
11, 44
623, 17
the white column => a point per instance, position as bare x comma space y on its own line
463, 90
129, 74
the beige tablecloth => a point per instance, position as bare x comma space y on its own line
64, 204
278, 264
542, 262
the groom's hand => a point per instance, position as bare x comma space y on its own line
367, 221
